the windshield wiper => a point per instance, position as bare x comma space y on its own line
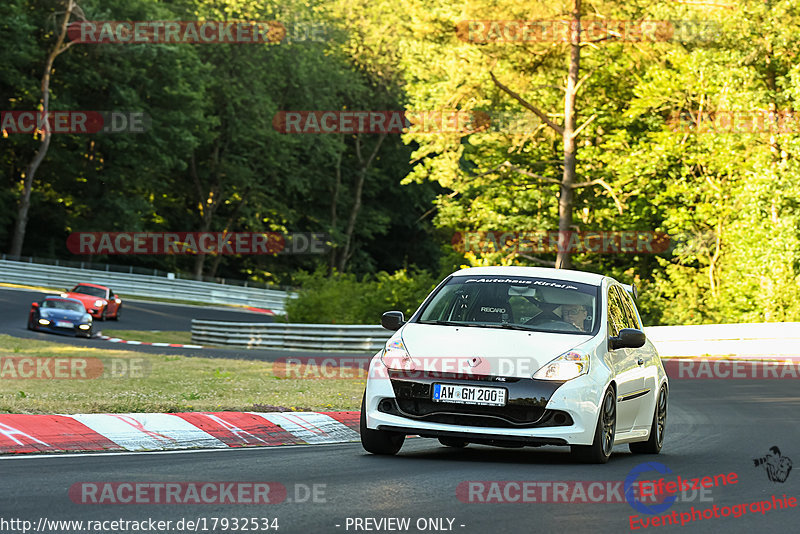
479, 325
447, 323
509, 326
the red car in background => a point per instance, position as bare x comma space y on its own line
100, 302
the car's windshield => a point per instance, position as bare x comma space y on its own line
514, 302
63, 305
89, 290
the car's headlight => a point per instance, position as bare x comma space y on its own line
566, 367
395, 356
98, 303
86, 318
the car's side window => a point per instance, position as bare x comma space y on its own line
631, 320
616, 317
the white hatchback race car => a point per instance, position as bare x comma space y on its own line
519, 356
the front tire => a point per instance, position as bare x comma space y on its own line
116, 315
656, 440
600, 450
103, 315
378, 441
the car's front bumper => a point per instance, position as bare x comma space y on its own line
73, 331
537, 412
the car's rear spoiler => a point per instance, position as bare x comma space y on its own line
632, 290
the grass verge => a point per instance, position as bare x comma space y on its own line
151, 336
137, 382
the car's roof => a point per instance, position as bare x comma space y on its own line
91, 285
537, 272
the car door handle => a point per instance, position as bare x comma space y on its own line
640, 361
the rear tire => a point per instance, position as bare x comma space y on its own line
378, 441
600, 450
656, 440
453, 442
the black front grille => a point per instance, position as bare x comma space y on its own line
445, 412
525, 407
469, 415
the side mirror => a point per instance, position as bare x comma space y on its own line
628, 338
34, 304
392, 320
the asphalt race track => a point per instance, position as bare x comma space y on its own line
714, 427
139, 315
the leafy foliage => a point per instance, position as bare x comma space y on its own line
212, 159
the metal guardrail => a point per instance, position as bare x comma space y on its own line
757, 340
291, 336
140, 285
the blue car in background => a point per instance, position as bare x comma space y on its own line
60, 315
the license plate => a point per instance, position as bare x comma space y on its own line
469, 394
64, 324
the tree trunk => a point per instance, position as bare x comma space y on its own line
334, 204
362, 175
228, 224
30, 171
565, 199
207, 204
